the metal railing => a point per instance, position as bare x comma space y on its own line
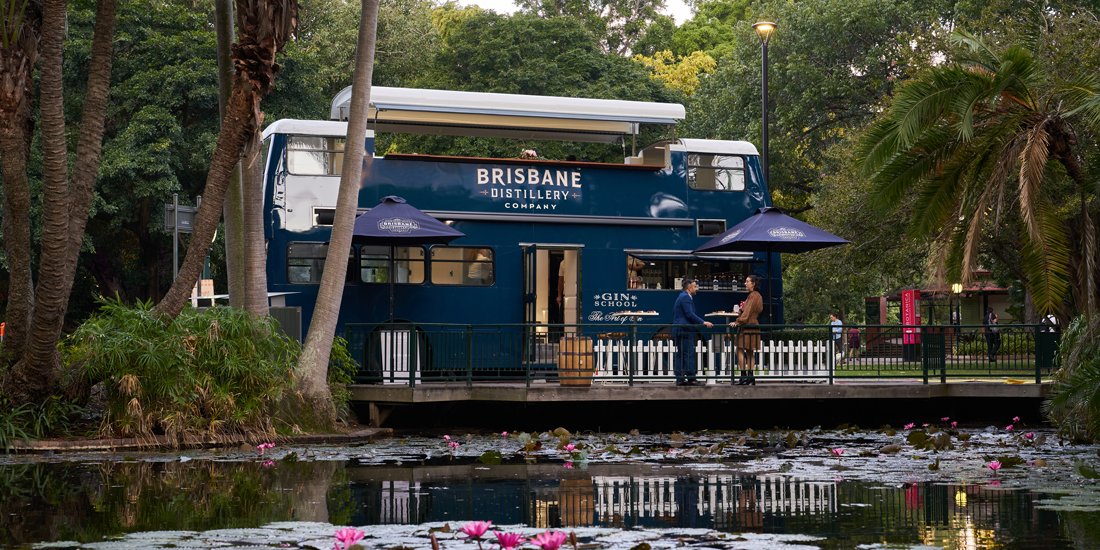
415, 353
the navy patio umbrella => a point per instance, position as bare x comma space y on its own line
395, 223
770, 230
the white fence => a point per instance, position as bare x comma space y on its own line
714, 495
715, 358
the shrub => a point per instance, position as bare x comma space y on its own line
212, 373
1074, 406
27, 421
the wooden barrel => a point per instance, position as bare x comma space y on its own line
575, 361
577, 501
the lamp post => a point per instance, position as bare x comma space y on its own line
956, 319
764, 30
956, 289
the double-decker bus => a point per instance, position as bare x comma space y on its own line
548, 242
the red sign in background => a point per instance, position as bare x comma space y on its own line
910, 316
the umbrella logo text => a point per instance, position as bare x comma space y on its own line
786, 233
398, 225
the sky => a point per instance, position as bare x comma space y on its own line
676, 8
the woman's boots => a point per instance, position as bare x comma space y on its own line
747, 379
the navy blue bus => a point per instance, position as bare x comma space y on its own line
548, 243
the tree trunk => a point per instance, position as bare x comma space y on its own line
14, 150
64, 207
254, 264
239, 123
233, 215
18, 55
313, 364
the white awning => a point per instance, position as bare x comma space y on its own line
410, 110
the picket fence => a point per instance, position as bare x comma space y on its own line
806, 360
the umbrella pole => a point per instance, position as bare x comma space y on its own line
771, 310
393, 275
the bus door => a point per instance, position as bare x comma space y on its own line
551, 304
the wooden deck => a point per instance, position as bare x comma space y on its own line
646, 406
550, 392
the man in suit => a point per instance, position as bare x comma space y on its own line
684, 332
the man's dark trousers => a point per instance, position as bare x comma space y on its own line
683, 364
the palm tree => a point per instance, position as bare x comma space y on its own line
65, 199
991, 129
19, 36
313, 363
264, 27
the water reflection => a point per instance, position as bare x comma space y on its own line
846, 512
91, 502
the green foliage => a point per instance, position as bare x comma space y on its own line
1074, 406
524, 54
1011, 344
618, 24
342, 367
209, 374
830, 63
28, 422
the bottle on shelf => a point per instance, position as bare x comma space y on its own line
714, 284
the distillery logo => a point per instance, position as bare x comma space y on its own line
398, 225
786, 233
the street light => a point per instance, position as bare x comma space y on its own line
956, 289
764, 30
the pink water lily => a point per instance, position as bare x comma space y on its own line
268, 464
475, 529
503, 434
1015, 419
1009, 428
509, 541
452, 444
550, 540
346, 537
838, 452
568, 465
909, 426
954, 424
570, 447
945, 419
995, 465
264, 446
1029, 436
446, 438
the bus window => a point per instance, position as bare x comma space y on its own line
471, 266
716, 172
305, 262
666, 273
315, 156
374, 264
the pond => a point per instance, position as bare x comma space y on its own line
928, 486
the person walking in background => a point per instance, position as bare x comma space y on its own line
853, 343
838, 336
748, 335
992, 335
684, 333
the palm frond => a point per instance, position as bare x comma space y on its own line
1045, 260
1033, 157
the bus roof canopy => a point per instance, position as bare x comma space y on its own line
447, 112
